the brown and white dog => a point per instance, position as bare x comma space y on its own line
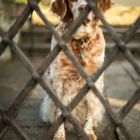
88, 45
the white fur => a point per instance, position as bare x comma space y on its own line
48, 110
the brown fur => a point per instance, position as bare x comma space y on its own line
88, 62
67, 73
88, 45
104, 5
62, 8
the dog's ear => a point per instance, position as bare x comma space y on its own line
59, 8
104, 5
62, 8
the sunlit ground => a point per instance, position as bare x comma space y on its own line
116, 16
120, 15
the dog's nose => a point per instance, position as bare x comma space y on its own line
82, 7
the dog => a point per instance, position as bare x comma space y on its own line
88, 45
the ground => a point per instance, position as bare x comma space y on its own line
119, 87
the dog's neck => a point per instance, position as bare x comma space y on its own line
84, 31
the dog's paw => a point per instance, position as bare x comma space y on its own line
59, 138
59, 135
92, 136
90, 133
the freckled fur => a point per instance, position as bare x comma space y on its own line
64, 79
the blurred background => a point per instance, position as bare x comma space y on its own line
34, 40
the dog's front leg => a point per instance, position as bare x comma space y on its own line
89, 124
60, 133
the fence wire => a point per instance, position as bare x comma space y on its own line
8, 116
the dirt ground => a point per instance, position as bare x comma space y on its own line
119, 87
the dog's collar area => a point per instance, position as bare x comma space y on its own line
81, 41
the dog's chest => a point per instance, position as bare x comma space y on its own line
88, 52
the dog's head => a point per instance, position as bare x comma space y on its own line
68, 10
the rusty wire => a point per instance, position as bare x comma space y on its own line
7, 117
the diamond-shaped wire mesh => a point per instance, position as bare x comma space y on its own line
7, 117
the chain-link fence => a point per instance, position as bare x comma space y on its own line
7, 117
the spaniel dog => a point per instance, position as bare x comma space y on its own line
88, 45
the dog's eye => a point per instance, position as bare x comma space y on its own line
81, 8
